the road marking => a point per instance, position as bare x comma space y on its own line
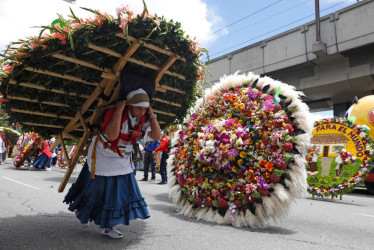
367, 215
10, 179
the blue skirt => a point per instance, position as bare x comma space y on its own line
41, 161
106, 200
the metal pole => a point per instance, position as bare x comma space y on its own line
318, 33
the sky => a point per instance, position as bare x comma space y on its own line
220, 26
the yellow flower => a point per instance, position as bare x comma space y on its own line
228, 184
210, 136
240, 162
204, 169
229, 115
208, 198
243, 154
233, 169
206, 179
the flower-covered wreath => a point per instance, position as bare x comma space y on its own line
352, 171
239, 156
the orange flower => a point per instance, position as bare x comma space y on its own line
269, 166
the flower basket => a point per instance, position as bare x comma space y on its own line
59, 84
239, 158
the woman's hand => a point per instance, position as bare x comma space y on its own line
149, 110
120, 105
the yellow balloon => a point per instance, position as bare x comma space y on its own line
363, 112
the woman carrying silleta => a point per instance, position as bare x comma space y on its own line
106, 190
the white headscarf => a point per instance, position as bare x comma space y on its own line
138, 98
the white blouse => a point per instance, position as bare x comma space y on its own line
109, 163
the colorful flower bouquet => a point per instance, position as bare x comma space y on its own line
239, 156
29, 149
346, 170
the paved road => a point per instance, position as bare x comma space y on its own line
32, 216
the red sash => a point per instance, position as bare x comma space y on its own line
131, 137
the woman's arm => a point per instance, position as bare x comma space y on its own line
113, 128
155, 132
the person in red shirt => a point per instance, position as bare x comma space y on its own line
164, 148
43, 160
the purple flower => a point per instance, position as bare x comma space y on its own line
251, 95
229, 122
268, 105
182, 134
233, 152
261, 183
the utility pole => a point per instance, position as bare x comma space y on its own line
318, 32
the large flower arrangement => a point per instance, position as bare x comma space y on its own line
27, 147
73, 38
239, 157
354, 170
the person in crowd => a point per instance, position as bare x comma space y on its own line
164, 148
139, 155
55, 155
106, 190
43, 160
2, 146
148, 160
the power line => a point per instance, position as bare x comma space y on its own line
276, 29
240, 20
267, 18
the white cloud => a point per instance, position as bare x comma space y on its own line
316, 116
17, 17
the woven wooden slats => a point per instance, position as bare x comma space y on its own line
40, 87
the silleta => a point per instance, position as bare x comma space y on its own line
349, 133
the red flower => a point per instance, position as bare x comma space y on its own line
198, 201
263, 192
222, 203
289, 128
274, 179
288, 146
238, 203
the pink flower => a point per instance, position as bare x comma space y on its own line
123, 26
33, 45
8, 68
76, 25
61, 37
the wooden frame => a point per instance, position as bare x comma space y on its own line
111, 89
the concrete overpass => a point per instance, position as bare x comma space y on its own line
330, 72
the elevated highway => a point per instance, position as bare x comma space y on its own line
330, 72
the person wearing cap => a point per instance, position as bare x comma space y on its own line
106, 190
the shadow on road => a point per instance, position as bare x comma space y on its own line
63, 231
171, 210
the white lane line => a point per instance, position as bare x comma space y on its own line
367, 215
27, 185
